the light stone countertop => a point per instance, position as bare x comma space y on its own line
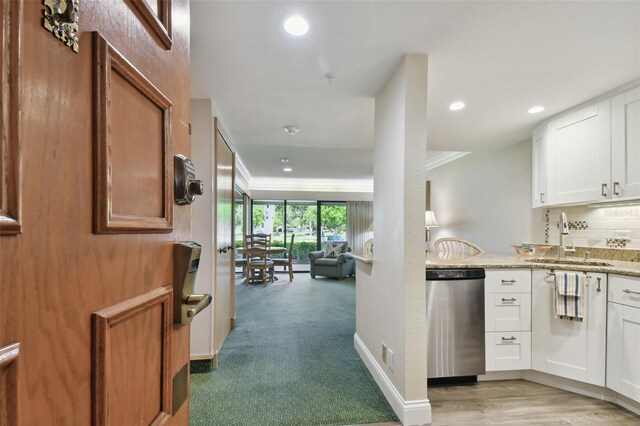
361, 257
489, 261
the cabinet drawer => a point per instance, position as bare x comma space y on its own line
507, 312
508, 281
624, 290
508, 351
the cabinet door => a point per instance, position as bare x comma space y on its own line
579, 154
539, 158
575, 350
623, 350
625, 144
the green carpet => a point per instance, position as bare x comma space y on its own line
290, 361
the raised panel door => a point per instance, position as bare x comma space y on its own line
579, 156
623, 350
571, 349
625, 144
539, 176
91, 312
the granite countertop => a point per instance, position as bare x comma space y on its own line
490, 261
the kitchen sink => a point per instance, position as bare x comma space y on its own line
570, 262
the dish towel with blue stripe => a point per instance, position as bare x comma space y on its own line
569, 296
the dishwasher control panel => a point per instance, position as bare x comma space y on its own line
455, 274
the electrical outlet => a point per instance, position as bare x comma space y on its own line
384, 353
622, 234
390, 359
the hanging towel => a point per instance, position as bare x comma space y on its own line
569, 296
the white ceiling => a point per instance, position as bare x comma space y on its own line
500, 58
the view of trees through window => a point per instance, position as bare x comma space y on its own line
282, 219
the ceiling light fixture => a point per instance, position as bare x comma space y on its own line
330, 76
456, 106
296, 26
536, 109
287, 169
290, 130
285, 160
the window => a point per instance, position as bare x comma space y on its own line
282, 218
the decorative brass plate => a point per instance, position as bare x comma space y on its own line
61, 18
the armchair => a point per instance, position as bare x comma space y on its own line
338, 267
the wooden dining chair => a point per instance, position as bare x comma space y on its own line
287, 261
456, 246
259, 265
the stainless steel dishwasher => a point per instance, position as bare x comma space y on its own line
455, 323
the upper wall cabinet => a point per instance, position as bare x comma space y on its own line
589, 155
579, 155
625, 144
539, 157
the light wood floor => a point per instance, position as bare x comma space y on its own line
519, 402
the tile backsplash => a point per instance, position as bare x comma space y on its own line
617, 227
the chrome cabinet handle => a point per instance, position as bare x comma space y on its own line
509, 339
542, 200
511, 300
604, 190
626, 290
508, 282
616, 185
599, 289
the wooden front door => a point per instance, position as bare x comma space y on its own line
87, 218
224, 293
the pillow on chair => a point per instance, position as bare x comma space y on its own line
333, 249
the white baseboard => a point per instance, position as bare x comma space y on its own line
416, 412
580, 388
200, 357
501, 375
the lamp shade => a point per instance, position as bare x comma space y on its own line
430, 220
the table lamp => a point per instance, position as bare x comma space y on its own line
429, 222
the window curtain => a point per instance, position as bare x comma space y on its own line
359, 217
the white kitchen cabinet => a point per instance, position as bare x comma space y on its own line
507, 319
509, 350
625, 145
623, 336
507, 312
571, 349
579, 155
539, 160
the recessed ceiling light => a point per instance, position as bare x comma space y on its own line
290, 130
536, 109
296, 26
456, 106
285, 160
287, 169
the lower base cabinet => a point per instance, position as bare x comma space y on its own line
570, 349
508, 350
623, 337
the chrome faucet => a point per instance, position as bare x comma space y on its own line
564, 230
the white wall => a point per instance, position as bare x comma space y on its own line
390, 294
485, 198
202, 223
